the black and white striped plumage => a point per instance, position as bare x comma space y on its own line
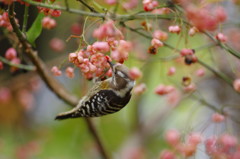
106, 97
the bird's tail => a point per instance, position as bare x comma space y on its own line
66, 115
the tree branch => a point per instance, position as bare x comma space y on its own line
51, 82
101, 15
217, 73
21, 66
89, 7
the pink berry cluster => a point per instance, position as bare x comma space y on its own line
92, 61
4, 21
111, 39
174, 29
185, 148
23, 94
57, 44
135, 73
164, 89
91, 64
221, 37
158, 37
140, 89
11, 55
69, 71
48, 23
189, 56
52, 12
205, 18
149, 5
130, 4
224, 146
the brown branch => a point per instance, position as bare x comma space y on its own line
89, 7
51, 82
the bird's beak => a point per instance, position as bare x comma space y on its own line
111, 64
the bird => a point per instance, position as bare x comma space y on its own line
105, 97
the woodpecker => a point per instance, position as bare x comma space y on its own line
105, 97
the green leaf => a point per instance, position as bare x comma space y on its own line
35, 30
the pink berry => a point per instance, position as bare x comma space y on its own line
190, 88
236, 154
220, 14
210, 145
236, 84
92, 68
195, 138
80, 58
218, 118
187, 149
101, 46
149, 5
72, 57
160, 90
161, 11
139, 89
76, 29
171, 71
120, 53
160, 35
192, 31
130, 4
10, 54
174, 29
57, 44
26, 99
185, 52
5, 95
111, 2
228, 141
69, 72
169, 89
172, 137
15, 61
156, 43
56, 72
221, 37
48, 23
173, 98
200, 72
167, 154
56, 13
135, 73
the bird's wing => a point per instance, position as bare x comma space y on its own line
98, 86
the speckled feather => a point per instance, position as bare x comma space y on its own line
105, 97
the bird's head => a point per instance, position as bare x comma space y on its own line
120, 75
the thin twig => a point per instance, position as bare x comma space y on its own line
51, 82
89, 7
214, 108
136, 16
217, 73
21, 66
101, 15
